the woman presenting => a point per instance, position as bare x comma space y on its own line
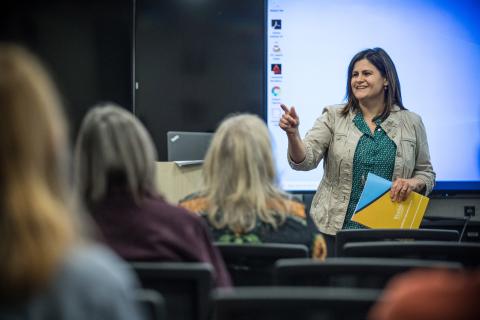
372, 132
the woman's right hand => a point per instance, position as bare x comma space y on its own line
289, 121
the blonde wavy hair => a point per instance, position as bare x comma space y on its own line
239, 176
36, 227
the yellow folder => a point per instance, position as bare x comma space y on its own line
376, 210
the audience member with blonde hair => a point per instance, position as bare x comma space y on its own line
115, 174
49, 270
240, 200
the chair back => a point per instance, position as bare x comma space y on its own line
468, 254
185, 286
253, 264
151, 304
471, 232
347, 236
373, 273
287, 303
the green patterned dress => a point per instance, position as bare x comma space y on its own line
374, 153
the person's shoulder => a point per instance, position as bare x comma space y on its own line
295, 208
96, 266
100, 283
192, 196
91, 274
334, 109
410, 116
412, 120
183, 216
167, 210
332, 113
196, 202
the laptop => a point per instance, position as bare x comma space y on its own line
187, 146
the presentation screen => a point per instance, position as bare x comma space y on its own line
436, 49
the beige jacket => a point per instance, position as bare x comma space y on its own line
334, 139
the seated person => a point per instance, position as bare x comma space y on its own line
430, 295
115, 174
49, 269
240, 201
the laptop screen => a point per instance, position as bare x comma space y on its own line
187, 146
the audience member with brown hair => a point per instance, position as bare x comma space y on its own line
49, 270
371, 133
240, 201
115, 174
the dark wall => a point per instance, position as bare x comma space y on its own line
86, 45
196, 62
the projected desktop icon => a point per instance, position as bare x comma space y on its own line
277, 24
275, 7
276, 48
276, 68
276, 115
276, 91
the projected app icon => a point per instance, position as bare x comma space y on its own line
276, 68
276, 48
277, 24
276, 115
276, 91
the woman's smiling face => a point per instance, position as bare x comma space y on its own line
367, 82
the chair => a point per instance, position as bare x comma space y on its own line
345, 236
472, 231
373, 273
151, 303
467, 254
252, 264
185, 286
287, 303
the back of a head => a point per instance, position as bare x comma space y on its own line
114, 151
239, 173
240, 154
35, 225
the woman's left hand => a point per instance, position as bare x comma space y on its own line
401, 188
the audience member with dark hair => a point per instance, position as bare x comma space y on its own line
240, 201
115, 174
372, 133
49, 269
